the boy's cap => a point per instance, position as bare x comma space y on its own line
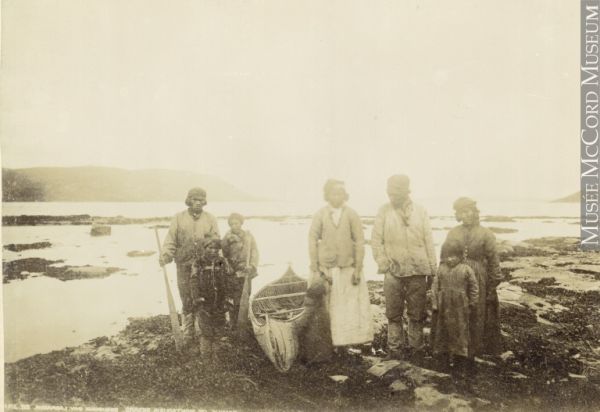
211, 243
235, 216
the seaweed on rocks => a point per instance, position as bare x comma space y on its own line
23, 268
19, 247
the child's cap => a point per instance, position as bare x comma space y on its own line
212, 243
235, 216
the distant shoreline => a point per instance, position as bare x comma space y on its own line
85, 219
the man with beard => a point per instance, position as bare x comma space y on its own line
403, 249
184, 245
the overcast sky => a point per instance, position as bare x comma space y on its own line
467, 97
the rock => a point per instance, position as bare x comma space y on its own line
398, 386
499, 230
576, 377
504, 249
20, 247
338, 378
83, 272
517, 375
556, 243
508, 355
132, 350
371, 360
98, 230
21, 268
140, 253
429, 398
77, 368
564, 279
586, 269
105, 353
420, 375
83, 350
591, 369
478, 403
485, 362
383, 367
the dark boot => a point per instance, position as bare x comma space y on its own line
464, 374
394, 338
206, 348
442, 361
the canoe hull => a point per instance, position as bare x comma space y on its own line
275, 312
279, 342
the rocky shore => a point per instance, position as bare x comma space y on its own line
85, 219
23, 268
550, 317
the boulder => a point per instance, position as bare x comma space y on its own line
428, 398
140, 253
99, 230
83, 272
398, 386
339, 378
383, 367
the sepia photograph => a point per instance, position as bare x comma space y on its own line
284, 205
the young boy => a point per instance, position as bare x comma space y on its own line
454, 295
239, 248
209, 274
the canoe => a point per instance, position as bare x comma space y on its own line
274, 312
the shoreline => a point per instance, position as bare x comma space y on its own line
86, 219
550, 324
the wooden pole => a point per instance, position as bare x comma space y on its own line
177, 335
242, 319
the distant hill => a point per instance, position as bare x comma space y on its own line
106, 184
574, 198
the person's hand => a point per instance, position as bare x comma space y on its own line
356, 276
384, 267
164, 260
327, 277
491, 296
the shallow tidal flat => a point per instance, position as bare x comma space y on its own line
549, 317
73, 287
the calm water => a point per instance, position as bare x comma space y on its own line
365, 207
43, 314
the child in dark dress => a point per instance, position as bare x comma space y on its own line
454, 295
209, 274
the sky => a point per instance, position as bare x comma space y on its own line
474, 98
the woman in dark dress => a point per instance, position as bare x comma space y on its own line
477, 246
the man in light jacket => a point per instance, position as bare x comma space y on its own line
403, 250
183, 244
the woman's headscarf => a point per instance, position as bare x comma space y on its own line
463, 203
330, 185
466, 203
